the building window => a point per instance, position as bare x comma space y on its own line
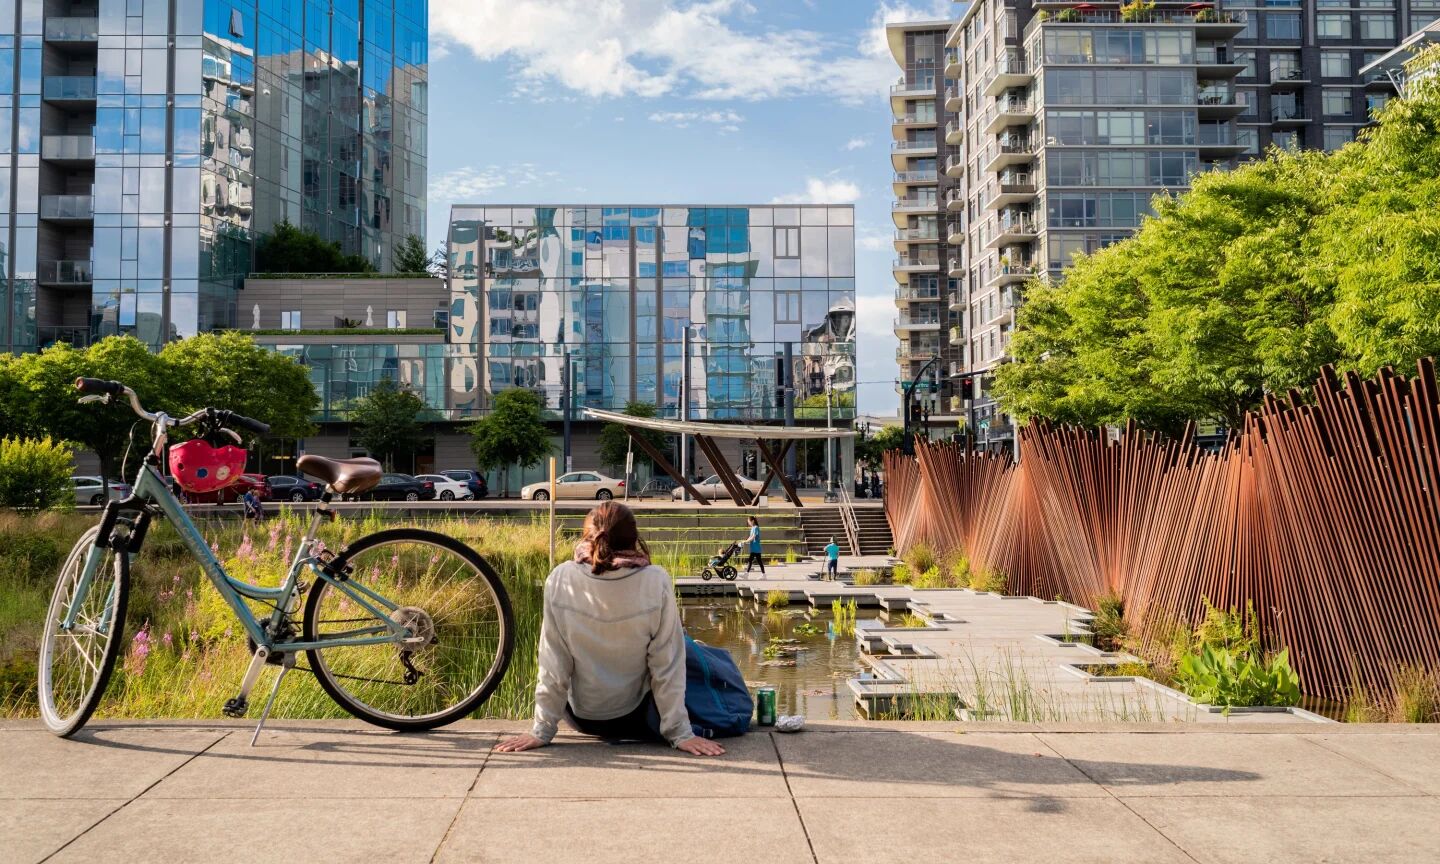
787, 307
1285, 66
787, 242
1375, 101
1282, 25
1246, 59
290, 320
1336, 102
1283, 140
1332, 26
1377, 25
395, 319
1338, 136
1335, 64
1247, 138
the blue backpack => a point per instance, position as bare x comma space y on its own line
715, 693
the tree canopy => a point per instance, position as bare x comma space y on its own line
410, 256
228, 370
513, 433
615, 442
1249, 283
289, 249
388, 421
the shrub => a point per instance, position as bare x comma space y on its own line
920, 557
790, 556
1108, 625
956, 567
775, 598
993, 581
866, 577
900, 574
911, 621
1227, 629
35, 474
1416, 698
930, 579
1217, 676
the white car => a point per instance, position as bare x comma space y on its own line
89, 490
712, 488
576, 484
447, 489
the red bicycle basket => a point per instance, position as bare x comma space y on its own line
199, 467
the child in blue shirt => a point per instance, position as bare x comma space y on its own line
832, 559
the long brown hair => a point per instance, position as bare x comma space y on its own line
610, 532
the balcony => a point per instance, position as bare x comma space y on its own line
903, 178
911, 294
72, 31
956, 300
954, 98
906, 352
1007, 274
957, 335
1008, 72
918, 121
955, 232
67, 208
1003, 310
903, 88
954, 132
953, 65
903, 206
1009, 151
1012, 188
1214, 137
915, 264
956, 267
1217, 63
917, 323
70, 89
1007, 112
63, 274
1287, 115
1207, 22
67, 148
1287, 76
1218, 102
955, 165
955, 199
906, 236
75, 337
1013, 229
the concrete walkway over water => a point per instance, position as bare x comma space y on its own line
340, 791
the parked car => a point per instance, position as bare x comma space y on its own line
283, 487
447, 489
89, 490
576, 484
658, 487
712, 488
472, 479
399, 487
228, 495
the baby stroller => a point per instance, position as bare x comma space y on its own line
720, 565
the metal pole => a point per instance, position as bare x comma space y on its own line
829, 442
685, 406
552, 512
567, 387
790, 401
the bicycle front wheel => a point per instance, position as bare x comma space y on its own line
75, 664
446, 596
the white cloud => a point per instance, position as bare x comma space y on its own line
727, 120
820, 191
874, 241
857, 143
471, 183
706, 49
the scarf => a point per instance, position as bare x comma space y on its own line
628, 558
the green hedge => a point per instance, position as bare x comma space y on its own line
352, 331
35, 473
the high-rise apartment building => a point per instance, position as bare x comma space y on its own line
144, 146
1071, 117
929, 217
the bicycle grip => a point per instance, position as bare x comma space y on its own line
97, 385
248, 424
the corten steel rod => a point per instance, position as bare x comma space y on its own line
1324, 516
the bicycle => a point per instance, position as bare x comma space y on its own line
404, 628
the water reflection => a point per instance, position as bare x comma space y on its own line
796, 651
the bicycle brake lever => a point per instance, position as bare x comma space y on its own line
95, 397
233, 435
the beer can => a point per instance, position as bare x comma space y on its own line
765, 706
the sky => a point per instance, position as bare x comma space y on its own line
692, 101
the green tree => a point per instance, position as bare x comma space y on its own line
513, 433
388, 421
812, 407
35, 474
410, 255
16, 414
229, 371
615, 442
48, 378
869, 449
288, 249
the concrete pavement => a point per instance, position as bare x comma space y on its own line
875, 792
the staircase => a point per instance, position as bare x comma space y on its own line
702, 534
819, 524
875, 537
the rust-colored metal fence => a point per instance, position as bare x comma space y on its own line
1325, 515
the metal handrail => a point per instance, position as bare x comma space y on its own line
847, 516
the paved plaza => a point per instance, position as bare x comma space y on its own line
339, 791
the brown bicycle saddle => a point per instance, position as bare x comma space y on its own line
346, 476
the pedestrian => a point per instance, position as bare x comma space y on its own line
253, 508
832, 560
612, 653
753, 544
874, 484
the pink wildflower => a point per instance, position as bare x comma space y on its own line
139, 651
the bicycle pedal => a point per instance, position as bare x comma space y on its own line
236, 707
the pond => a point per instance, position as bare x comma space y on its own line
795, 650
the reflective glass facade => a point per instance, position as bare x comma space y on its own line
144, 145
615, 287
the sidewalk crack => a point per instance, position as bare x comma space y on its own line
1365, 763
793, 803
450, 829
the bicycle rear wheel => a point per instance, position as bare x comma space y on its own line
75, 665
448, 596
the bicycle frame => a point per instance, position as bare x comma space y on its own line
150, 489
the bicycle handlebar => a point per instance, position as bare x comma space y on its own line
230, 418
97, 385
221, 418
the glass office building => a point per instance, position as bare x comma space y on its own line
767, 292
144, 146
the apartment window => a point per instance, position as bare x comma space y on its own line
1285, 66
395, 319
1375, 101
1335, 64
1283, 25
1381, 4
1377, 25
1246, 59
1283, 140
1332, 26
1333, 4
1248, 139
1336, 102
787, 307
787, 242
1247, 98
290, 320
1338, 136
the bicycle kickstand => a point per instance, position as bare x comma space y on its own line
286, 666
